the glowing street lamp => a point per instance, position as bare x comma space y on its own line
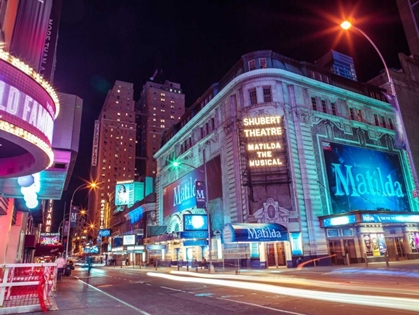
401, 132
85, 185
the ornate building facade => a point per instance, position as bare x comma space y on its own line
296, 161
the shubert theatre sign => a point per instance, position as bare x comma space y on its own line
263, 140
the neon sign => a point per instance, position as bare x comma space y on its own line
102, 214
49, 216
20, 105
263, 145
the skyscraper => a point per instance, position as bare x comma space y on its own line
113, 150
160, 107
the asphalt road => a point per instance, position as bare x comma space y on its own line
134, 291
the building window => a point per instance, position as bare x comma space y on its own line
267, 94
324, 106
313, 101
212, 124
263, 63
333, 109
383, 122
359, 115
251, 65
391, 125
352, 113
375, 116
253, 96
312, 74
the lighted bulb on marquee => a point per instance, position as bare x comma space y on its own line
48, 218
28, 108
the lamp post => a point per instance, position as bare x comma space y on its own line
90, 185
176, 164
346, 25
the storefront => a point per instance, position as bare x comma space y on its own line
370, 236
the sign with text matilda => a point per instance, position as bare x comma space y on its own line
364, 179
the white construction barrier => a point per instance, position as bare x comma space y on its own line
27, 288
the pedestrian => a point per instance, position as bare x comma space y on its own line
299, 261
203, 263
61, 265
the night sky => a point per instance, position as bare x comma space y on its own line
197, 42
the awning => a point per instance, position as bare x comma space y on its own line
48, 250
254, 232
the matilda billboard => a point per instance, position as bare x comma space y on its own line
364, 179
181, 194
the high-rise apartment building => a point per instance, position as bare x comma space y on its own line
160, 107
339, 64
113, 150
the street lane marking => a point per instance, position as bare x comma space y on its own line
117, 299
172, 289
261, 306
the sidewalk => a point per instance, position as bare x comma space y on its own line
74, 297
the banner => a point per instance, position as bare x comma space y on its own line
73, 216
66, 227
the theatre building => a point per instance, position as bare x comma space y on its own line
289, 160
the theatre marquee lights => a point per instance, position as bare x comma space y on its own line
28, 108
264, 138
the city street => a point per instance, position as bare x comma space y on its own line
115, 290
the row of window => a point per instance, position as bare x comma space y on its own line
262, 64
355, 113
199, 134
267, 97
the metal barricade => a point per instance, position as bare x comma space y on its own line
27, 287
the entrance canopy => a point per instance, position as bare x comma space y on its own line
48, 250
254, 232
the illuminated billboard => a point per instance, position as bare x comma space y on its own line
264, 142
364, 179
28, 108
117, 241
50, 239
124, 194
129, 239
195, 222
104, 232
181, 194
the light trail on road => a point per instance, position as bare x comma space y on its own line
366, 300
301, 281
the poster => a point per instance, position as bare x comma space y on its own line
382, 244
368, 246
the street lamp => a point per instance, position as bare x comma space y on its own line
88, 185
347, 25
176, 164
